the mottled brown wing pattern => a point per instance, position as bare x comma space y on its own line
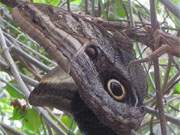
96, 61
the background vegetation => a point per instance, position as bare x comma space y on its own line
18, 117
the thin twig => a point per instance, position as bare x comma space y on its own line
166, 77
176, 65
21, 83
86, 6
171, 119
31, 59
15, 41
130, 13
146, 70
12, 65
50, 120
93, 7
4, 66
68, 5
13, 27
159, 95
10, 129
172, 82
173, 8
58, 121
99, 8
29, 80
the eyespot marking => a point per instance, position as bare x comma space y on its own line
92, 51
116, 89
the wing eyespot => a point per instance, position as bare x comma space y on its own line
116, 89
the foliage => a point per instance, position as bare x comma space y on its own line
49, 2
26, 119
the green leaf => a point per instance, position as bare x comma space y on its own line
18, 114
77, 2
53, 2
13, 91
119, 9
32, 121
5, 105
40, 1
177, 88
69, 122
176, 1
49, 2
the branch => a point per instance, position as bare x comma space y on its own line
21, 83
30, 59
4, 66
68, 5
29, 80
10, 130
27, 48
168, 117
12, 65
130, 13
173, 8
86, 6
159, 94
172, 82
50, 120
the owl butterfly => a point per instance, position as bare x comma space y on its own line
103, 95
